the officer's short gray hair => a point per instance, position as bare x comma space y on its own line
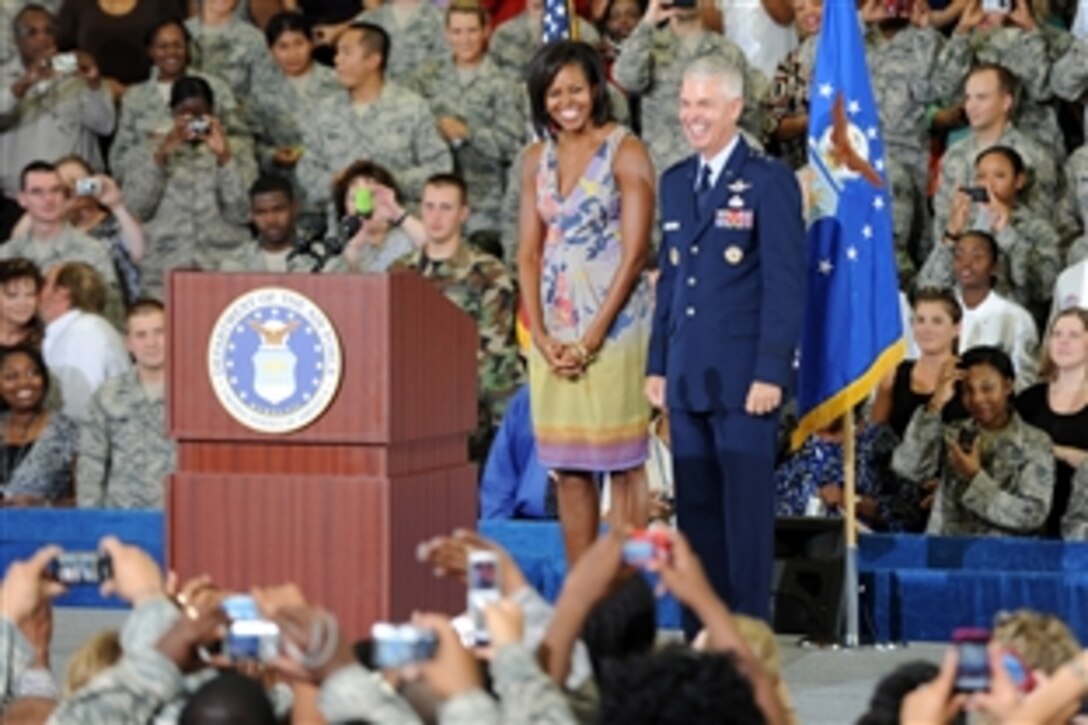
720, 70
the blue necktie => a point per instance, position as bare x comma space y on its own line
702, 189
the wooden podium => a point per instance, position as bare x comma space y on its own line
340, 505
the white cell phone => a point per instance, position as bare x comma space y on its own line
483, 589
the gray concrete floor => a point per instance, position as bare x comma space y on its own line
828, 687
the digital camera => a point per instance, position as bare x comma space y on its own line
397, 645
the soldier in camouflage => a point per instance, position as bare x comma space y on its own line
1014, 41
283, 99
1030, 258
228, 48
990, 90
45, 114
371, 119
996, 471
901, 52
145, 107
476, 109
415, 34
124, 454
478, 284
1075, 520
517, 40
273, 212
190, 189
1075, 203
651, 63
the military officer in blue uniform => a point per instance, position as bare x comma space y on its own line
726, 326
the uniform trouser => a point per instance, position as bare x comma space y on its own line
723, 463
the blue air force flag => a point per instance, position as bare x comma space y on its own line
852, 334
558, 21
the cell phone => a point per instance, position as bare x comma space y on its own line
644, 546
687, 4
973, 670
64, 63
88, 186
397, 645
977, 194
483, 589
967, 437
250, 637
1002, 7
898, 8
1019, 672
75, 568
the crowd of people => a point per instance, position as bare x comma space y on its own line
633, 203
592, 656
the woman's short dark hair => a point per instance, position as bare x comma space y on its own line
155, 29
545, 66
364, 169
35, 356
17, 268
188, 87
286, 22
995, 251
994, 357
1010, 154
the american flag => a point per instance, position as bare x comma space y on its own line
558, 21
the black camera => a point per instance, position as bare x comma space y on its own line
73, 568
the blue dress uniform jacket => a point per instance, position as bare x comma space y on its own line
731, 289
728, 313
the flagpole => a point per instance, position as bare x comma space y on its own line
850, 583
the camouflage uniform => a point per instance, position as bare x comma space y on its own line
194, 209
71, 245
899, 66
1069, 75
252, 258
145, 114
1075, 204
235, 53
1026, 55
411, 45
516, 41
1010, 495
124, 454
396, 130
54, 118
652, 62
526, 695
1075, 520
280, 109
481, 98
480, 285
1028, 265
15, 657
957, 169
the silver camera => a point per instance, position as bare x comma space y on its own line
88, 186
199, 126
64, 63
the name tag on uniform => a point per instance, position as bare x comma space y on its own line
734, 219
670, 226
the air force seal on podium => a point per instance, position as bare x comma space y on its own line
274, 360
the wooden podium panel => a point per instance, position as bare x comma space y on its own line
348, 541
340, 505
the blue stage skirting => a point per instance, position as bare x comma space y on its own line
915, 588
